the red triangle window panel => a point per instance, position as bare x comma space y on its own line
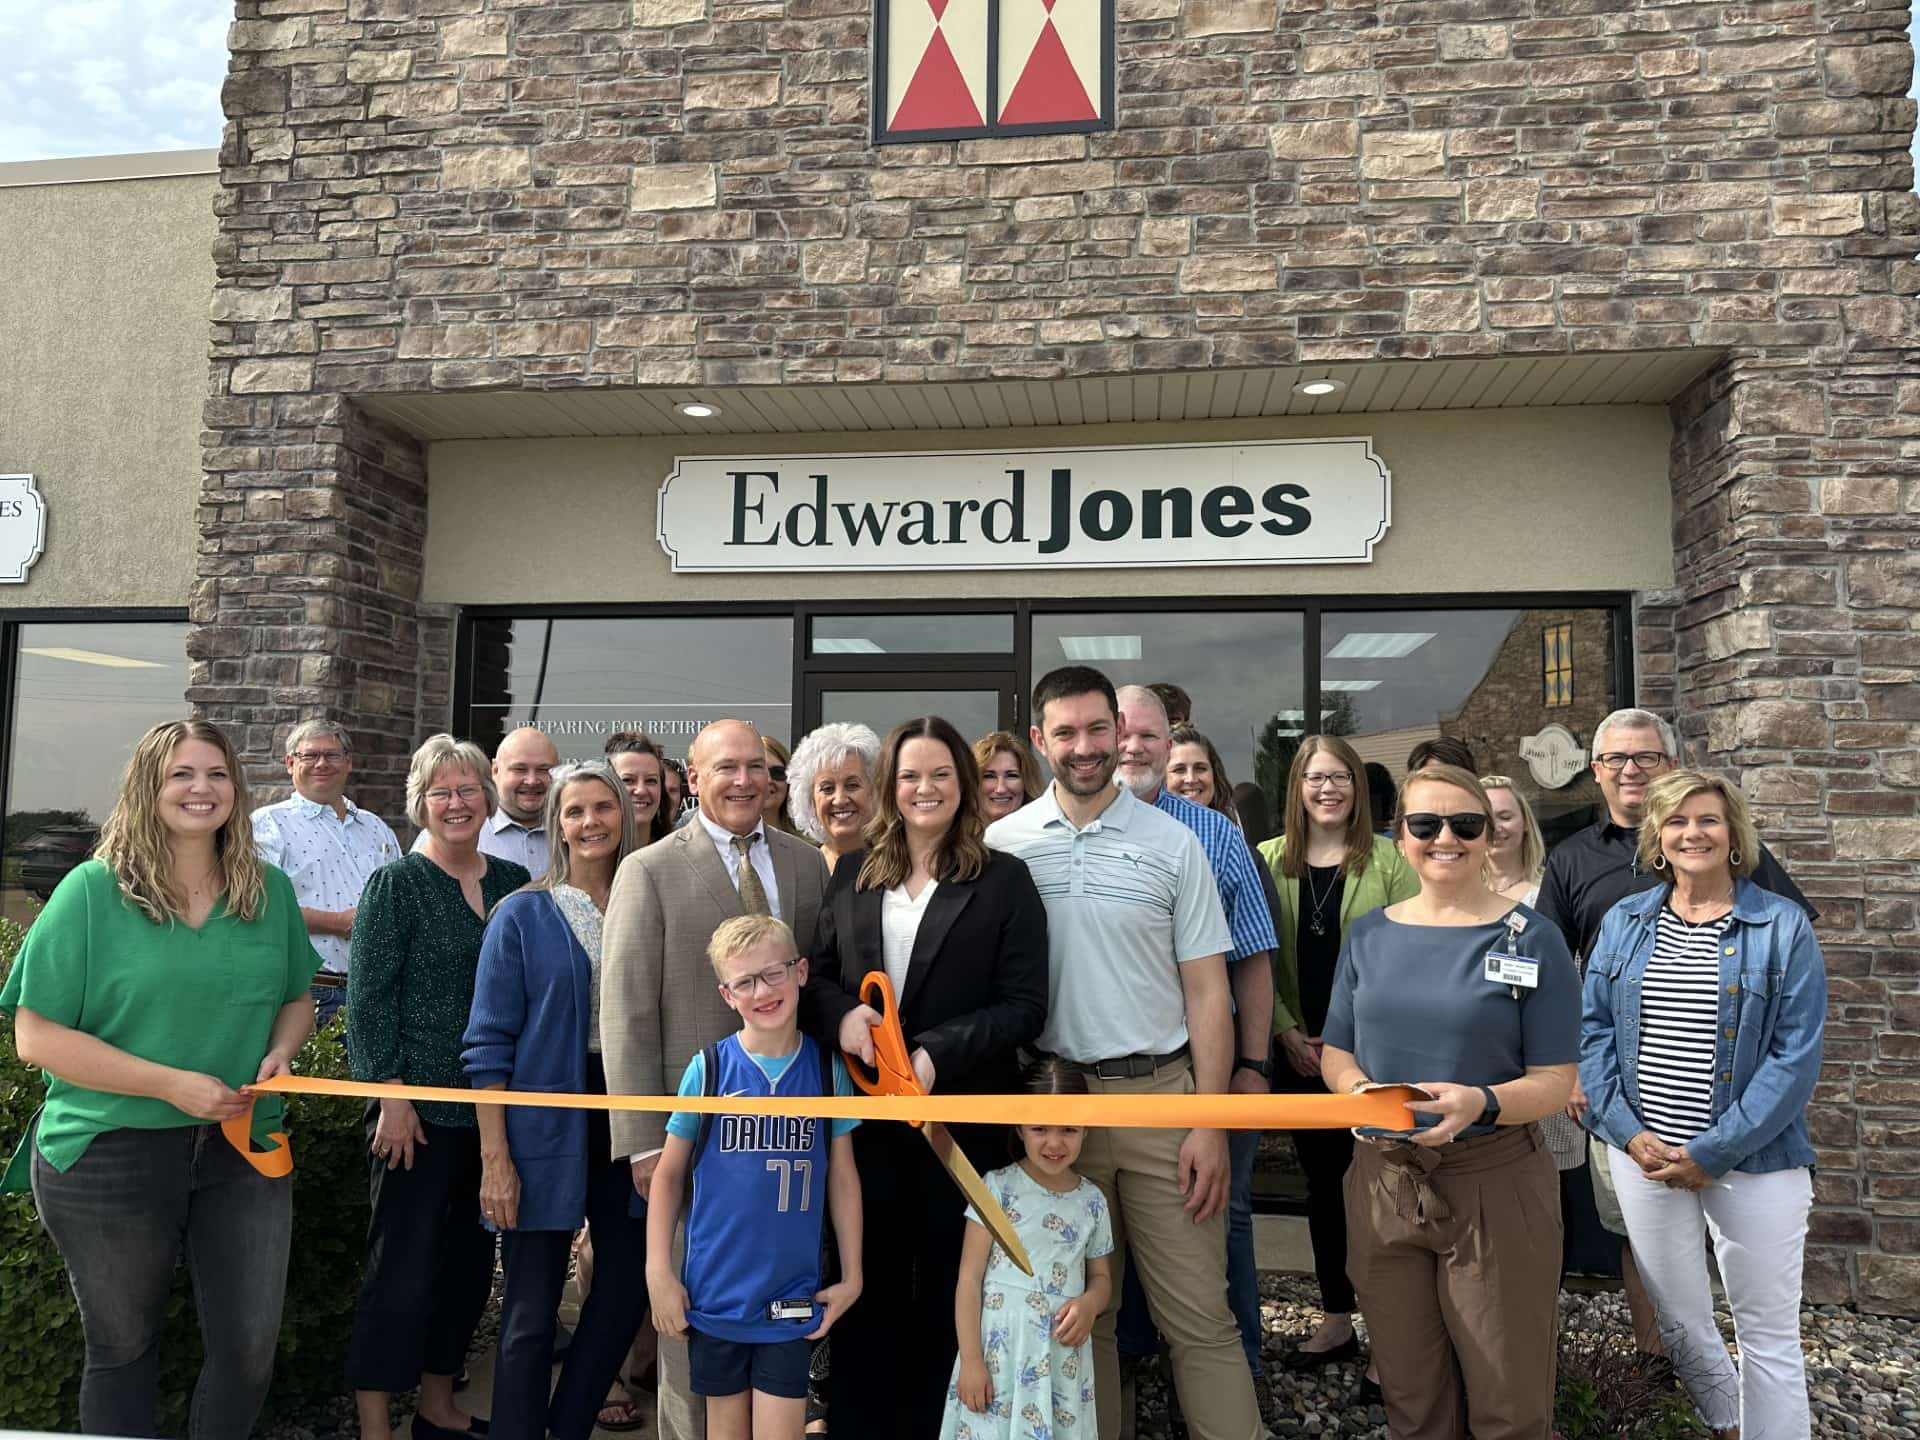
952, 69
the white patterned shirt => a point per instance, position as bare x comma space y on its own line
328, 858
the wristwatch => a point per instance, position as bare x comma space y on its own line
1262, 1068
1490, 1115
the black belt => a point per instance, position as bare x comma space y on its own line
330, 980
1127, 1067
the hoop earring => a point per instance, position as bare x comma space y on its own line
1660, 861
1733, 859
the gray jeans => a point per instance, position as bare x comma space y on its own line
123, 1216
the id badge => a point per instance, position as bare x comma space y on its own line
1513, 970
790, 1310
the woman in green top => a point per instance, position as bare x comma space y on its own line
416, 946
164, 974
1334, 870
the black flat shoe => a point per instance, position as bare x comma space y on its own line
1302, 1360
425, 1429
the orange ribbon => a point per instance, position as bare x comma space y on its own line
1384, 1106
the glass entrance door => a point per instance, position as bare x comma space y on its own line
975, 701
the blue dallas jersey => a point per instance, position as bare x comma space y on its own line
759, 1196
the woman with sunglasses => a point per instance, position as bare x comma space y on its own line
1475, 999
778, 758
1334, 871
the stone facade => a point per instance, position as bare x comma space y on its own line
468, 195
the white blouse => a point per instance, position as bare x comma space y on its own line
900, 916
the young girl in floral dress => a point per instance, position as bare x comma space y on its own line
1025, 1368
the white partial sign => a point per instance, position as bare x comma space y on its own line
23, 527
1261, 502
1554, 757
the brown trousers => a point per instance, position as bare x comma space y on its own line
1455, 1254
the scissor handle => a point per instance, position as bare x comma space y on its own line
892, 1072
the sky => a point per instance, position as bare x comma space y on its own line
110, 77
106, 77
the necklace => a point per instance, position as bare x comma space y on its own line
1314, 921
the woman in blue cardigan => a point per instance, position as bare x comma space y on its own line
535, 1026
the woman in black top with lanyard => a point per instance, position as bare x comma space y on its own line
1454, 1229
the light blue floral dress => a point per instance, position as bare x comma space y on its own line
1042, 1390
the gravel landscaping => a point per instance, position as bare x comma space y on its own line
1863, 1372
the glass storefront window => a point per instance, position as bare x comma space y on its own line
582, 679
83, 695
1390, 679
1244, 670
912, 634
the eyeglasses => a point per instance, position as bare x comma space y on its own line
772, 977
1616, 760
1465, 826
1338, 779
318, 757
777, 772
467, 793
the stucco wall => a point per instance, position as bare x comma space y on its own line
1482, 500
103, 373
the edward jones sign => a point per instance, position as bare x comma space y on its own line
1261, 502
23, 527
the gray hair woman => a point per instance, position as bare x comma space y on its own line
830, 787
416, 947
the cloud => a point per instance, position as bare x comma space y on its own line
105, 77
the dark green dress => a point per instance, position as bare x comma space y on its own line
416, 945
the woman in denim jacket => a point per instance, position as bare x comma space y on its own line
1706, 1001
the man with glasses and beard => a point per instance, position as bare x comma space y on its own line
1139, 1004
328, 846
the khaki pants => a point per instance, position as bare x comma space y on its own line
1183, 1268
1455, 1253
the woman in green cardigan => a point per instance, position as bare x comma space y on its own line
1342, 871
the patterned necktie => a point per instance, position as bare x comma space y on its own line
753, 895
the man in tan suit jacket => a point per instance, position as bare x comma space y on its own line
659, 1005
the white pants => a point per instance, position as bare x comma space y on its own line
1759, 1229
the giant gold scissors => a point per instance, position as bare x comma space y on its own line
893, 1075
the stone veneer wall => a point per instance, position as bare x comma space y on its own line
460, 195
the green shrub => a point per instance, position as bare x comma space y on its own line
41, 1350
1607, 1390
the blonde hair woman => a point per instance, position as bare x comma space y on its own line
1706, 1005
779, 758
1460, 991
165, 973
416, 946
535, 1025
1516, 852
1009, 775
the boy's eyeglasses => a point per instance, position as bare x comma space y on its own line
773, 977
1466, 826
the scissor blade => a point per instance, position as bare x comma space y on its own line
975, 1189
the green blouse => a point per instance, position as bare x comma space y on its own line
202, 1000
416, 945
1387, 880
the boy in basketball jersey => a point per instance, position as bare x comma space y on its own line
752, 1297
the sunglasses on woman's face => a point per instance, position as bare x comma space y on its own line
1468, 826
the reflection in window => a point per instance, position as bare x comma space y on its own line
1391, 679
1243, 669
912, 634
971, 712
1556, 645
581, 680
84, 695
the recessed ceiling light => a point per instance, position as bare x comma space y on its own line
851, 645
1325, 385
1349, 684
90, 657
697, 409
1379, 645
1101, 647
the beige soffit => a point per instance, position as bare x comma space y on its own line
1607, 379
89, 169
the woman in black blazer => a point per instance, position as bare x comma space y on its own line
962, 933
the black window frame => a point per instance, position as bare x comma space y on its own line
1311, 609
992, 130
